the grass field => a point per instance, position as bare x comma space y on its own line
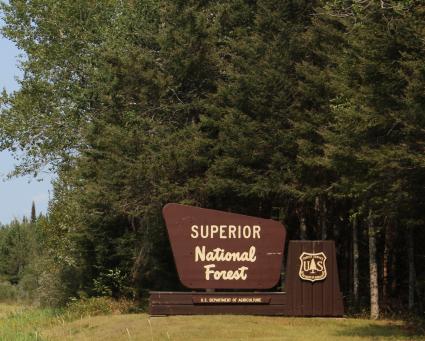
17, 323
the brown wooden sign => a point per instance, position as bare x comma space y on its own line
221, 250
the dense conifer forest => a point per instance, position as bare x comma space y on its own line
307, 112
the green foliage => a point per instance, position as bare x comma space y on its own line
108, 283
19, 243
8, 292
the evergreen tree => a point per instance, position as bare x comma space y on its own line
33, 213
372, 141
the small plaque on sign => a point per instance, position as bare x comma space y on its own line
230, 300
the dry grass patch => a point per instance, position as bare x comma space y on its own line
186, 328
7, 309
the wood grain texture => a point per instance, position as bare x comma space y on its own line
319, 298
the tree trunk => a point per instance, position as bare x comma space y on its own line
393, 277
373, 270
138, 263
321, 209
355, 263
323, 212
385, 268
303, 224
412, 272
386, 264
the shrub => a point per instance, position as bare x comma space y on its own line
97, 306
8, 292
89, 306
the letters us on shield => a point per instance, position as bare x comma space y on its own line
312, 266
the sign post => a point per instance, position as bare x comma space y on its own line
312, 283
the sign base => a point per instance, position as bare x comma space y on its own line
311, 283
209, 303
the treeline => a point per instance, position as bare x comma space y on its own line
309, 112
21, 247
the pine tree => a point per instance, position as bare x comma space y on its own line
33, 214
372, 141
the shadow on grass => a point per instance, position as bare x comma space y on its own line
389, 331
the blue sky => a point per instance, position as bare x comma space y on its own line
17, 194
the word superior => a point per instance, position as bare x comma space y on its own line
226, 231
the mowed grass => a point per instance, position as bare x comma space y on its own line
17, 323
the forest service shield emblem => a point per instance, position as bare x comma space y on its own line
312, 266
